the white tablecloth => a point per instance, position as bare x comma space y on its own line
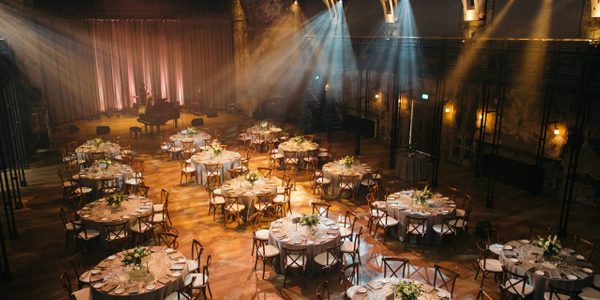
110, 150
248, 192
199, 139
159, 264
384, 289
93, 175
229, 160
97, 214
410, 167
521, 259
334, 169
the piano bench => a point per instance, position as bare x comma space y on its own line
134, 131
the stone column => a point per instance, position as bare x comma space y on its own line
240, 58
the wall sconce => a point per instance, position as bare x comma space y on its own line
556, 131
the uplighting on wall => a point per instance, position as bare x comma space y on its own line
595, 8
556, 131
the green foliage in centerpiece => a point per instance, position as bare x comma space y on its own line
104, 163
251, 177
308, 220
348, 161
190, 131
96, 142
299, 139
407, 290
134, 257
115, 200
420, 197
216, 149
551, 246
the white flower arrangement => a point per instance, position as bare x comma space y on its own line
420, 197
189, 131
104, 163
251, 177
551, 246
299, 139
348, 161
407, 290
216, 149
263, 125
96, 142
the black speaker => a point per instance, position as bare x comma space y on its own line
198, 122
211, 113
102, 130
72, 128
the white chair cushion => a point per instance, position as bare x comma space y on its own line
345, 232
236, 207
491, 265
158, 207
346, 185
189, 169
290, 262
377, 213
71, 227
157, 218
460, 212
192, 264
198, 283
458, 223
348, 247
68, 184
415, 229
323, 180
589, 293
82, 294
322, 260
518, 288
323, 154
217, 200
279, 199
351, 291
218, 192
111, 236
269, 251
438, 229
140, 229
367, 182
388, 221
280, 189
262, 234
133, 181
83, 190
91, 233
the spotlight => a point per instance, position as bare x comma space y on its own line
295, 2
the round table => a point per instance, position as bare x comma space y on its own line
333, 170
94, 174
240, 187
384, 289
295, 236
199, 139
399, 205
301, 148
410, 166
110, 149
229, 160
98, 214
523, 258
264, 131
111, 280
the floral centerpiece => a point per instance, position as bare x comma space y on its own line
407, 290
104, 163
216, 149
251, 177
348, 161
96, 142
115, 200
135, 256
189, 131
308, 221
263, 125
299, 139
551, 246
420, 197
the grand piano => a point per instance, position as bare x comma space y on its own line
159, 114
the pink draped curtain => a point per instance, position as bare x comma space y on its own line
188, 61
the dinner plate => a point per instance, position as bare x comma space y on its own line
309, 242
361, 290
571, 277
513, 260
587, 270
177, 266
579, 257
285, 240
98, 285
181, 260
524, 241
86, 216
175, 274
119, 290
540, 273
150, 287
507, 247
111, 257
170, 250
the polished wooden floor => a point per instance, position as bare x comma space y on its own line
38, 256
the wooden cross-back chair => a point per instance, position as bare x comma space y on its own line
396, 266
444, 279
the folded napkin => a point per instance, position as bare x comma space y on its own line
134, 289
164, 280
96, 278
107, 288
